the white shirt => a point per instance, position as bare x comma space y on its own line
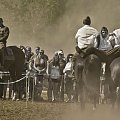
85, 36
117, 37
68, 67
105, 43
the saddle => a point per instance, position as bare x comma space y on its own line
81, 51
6, 55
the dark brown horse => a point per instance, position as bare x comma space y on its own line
15, 67
112, 58
87, 74
91, 78
114, 81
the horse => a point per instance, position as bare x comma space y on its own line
112, 58
15, 67
87, 74
91, 78
114, 81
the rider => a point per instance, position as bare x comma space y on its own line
116, 36
102, 41
4, 33
85, 36
107, 56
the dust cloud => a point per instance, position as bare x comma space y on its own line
103, 112
59, 35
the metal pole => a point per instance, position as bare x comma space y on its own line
33, 88
28, 87
26, 92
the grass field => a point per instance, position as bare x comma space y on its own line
10, 110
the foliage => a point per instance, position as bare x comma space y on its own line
34, 11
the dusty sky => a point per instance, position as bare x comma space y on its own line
61, 35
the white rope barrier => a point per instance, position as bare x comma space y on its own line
1, 83
13, 82
26, 76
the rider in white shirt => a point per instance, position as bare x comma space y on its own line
85, 36
116, 36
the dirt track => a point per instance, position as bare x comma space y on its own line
54, 111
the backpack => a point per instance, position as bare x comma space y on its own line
55, 72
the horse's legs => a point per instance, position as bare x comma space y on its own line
95, 101
4, 87
13, 86
113, 99
76, 93
118, 98
82, 98
113, 95
10, 90
1, 89
19, 86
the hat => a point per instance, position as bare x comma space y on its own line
60, 53
56, 53
37, 48
87, 21
42, 51
28, 48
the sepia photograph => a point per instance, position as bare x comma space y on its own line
59, 60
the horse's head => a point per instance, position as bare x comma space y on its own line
92, 59
92, 63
